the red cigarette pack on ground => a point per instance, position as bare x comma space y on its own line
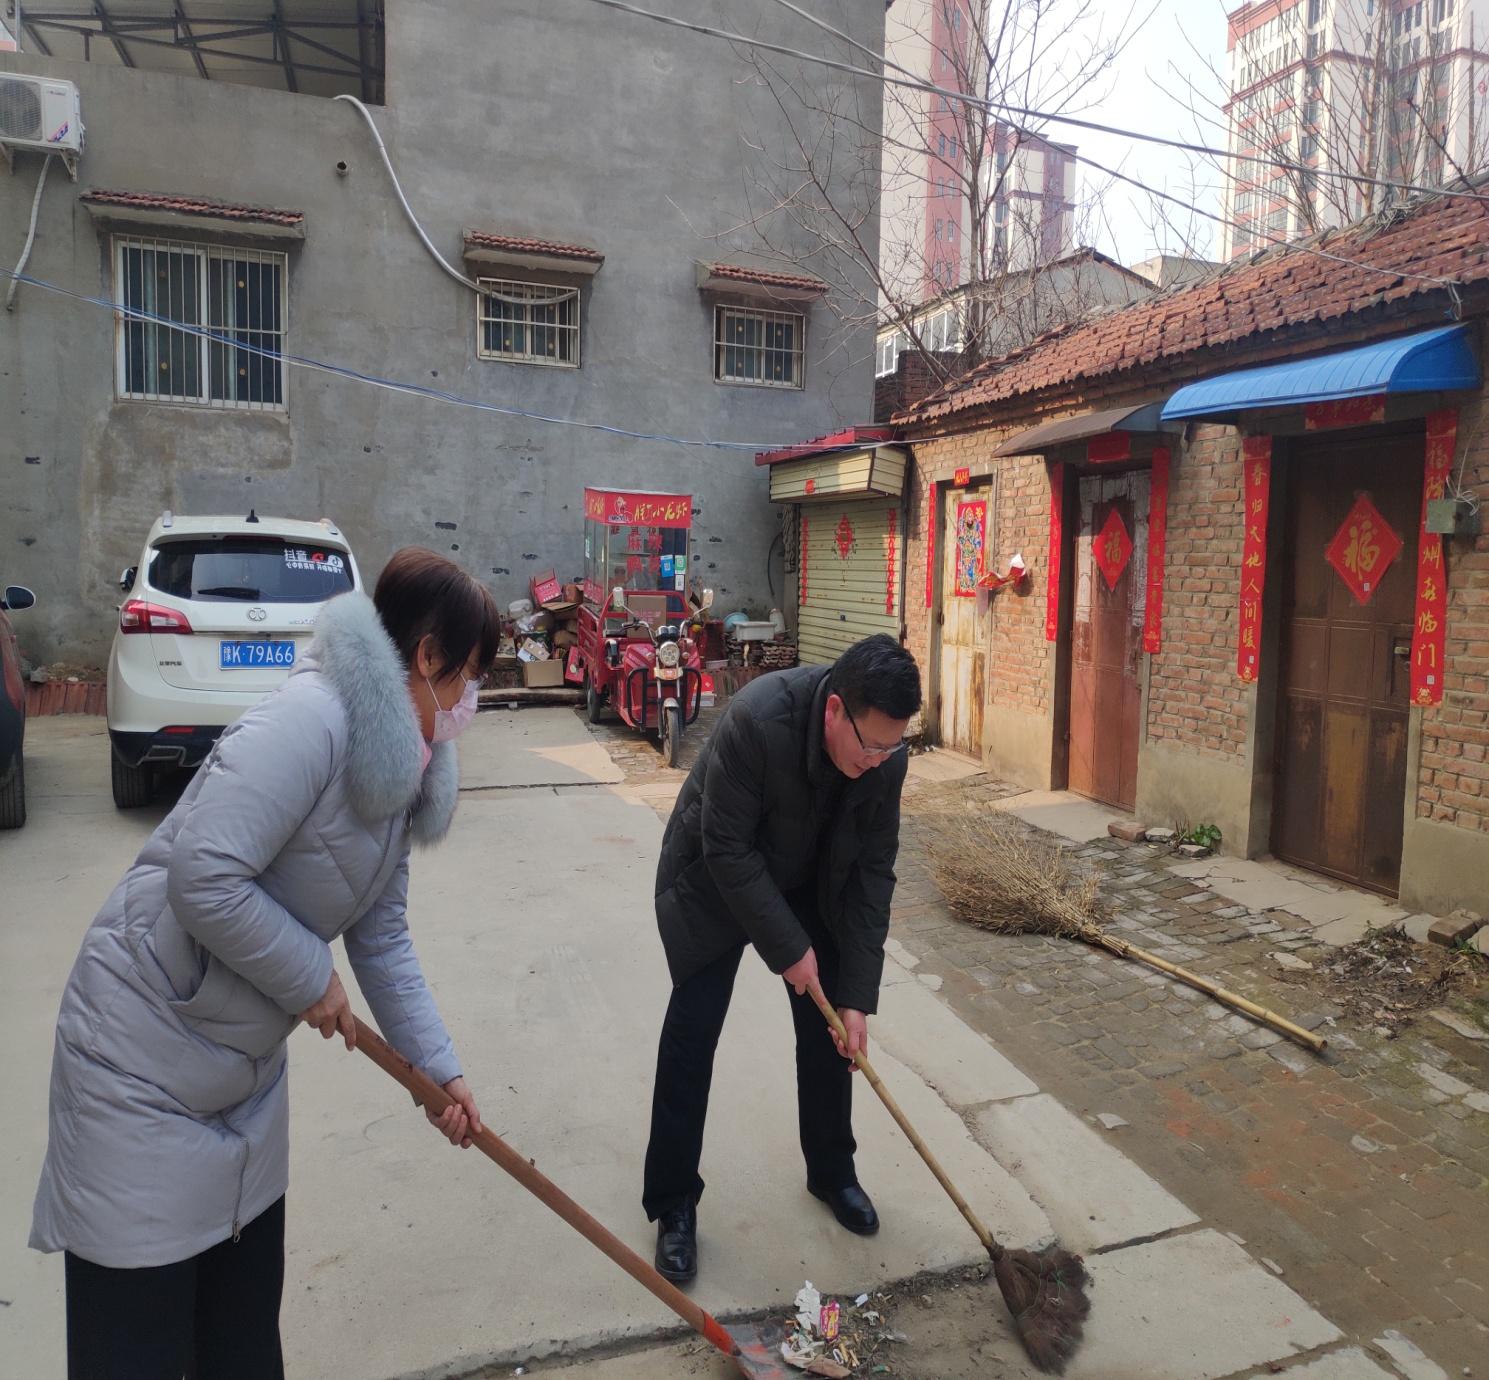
831, 1320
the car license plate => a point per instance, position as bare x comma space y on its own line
240, 656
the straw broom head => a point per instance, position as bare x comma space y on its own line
999, 876
1046, 1293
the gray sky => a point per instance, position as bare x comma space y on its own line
1147, 91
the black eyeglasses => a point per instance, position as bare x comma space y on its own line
878, 752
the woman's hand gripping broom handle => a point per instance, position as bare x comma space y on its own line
435, 1099
922, 1149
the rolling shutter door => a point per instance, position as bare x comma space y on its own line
852, 557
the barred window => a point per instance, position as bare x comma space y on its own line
236, 296
758, 347
528, 323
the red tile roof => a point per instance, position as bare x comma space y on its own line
764, 277
479, 239
821, 445
1281, 295
194, 206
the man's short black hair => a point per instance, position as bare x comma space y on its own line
878, 673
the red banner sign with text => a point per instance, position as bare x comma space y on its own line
930, 544
803, 556
1339, 412
1429, 628
638, 510
891, 558
1112, 445
1256, 458
1157, 542
1056, 553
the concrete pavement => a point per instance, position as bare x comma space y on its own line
534, 925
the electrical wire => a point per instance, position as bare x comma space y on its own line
408, 210
1028, 112
15, 282
392, 385
1273, 241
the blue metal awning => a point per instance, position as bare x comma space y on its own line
1431, 361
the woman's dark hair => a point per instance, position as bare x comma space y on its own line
423, 594
878, 673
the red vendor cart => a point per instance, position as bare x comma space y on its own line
637, 648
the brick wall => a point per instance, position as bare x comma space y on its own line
1195, 699
1020, 669
912, 380
1453, 787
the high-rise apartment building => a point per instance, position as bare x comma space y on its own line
1025, 185
1396, 90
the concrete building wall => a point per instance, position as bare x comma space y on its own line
546, 118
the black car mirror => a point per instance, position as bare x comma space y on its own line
126, 580
17, 597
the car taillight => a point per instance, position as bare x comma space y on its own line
14, 689
141, 616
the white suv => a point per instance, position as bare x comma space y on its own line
215, 615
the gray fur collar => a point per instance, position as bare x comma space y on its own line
353, 651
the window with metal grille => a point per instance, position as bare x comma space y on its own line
236, 296
758, 347
528, 323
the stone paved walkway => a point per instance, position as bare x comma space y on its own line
1360, 1175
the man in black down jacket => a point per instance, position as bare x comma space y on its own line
784, 837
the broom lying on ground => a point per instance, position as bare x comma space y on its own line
997, 876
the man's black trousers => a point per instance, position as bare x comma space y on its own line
690, 1034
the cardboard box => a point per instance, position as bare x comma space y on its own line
565, 638
573, 594
543, 673
546, 588
532, 650
573, 670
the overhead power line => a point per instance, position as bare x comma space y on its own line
417, 390
914, 83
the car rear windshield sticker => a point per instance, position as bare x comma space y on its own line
327, 562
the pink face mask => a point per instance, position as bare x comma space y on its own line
449, 724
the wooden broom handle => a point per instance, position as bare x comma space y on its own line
1265, 1015
434, 1098
924, 1151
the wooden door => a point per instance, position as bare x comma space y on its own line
1111, 549
964, 621
1345, 665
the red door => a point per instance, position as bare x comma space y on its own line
1107, 636
1353, 508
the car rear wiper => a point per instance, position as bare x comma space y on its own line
232, 592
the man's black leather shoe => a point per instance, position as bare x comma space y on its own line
851, 1206
677, 1243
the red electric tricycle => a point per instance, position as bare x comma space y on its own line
636, 645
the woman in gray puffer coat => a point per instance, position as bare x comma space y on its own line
168, 1156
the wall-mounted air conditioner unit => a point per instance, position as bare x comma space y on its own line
40, 115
